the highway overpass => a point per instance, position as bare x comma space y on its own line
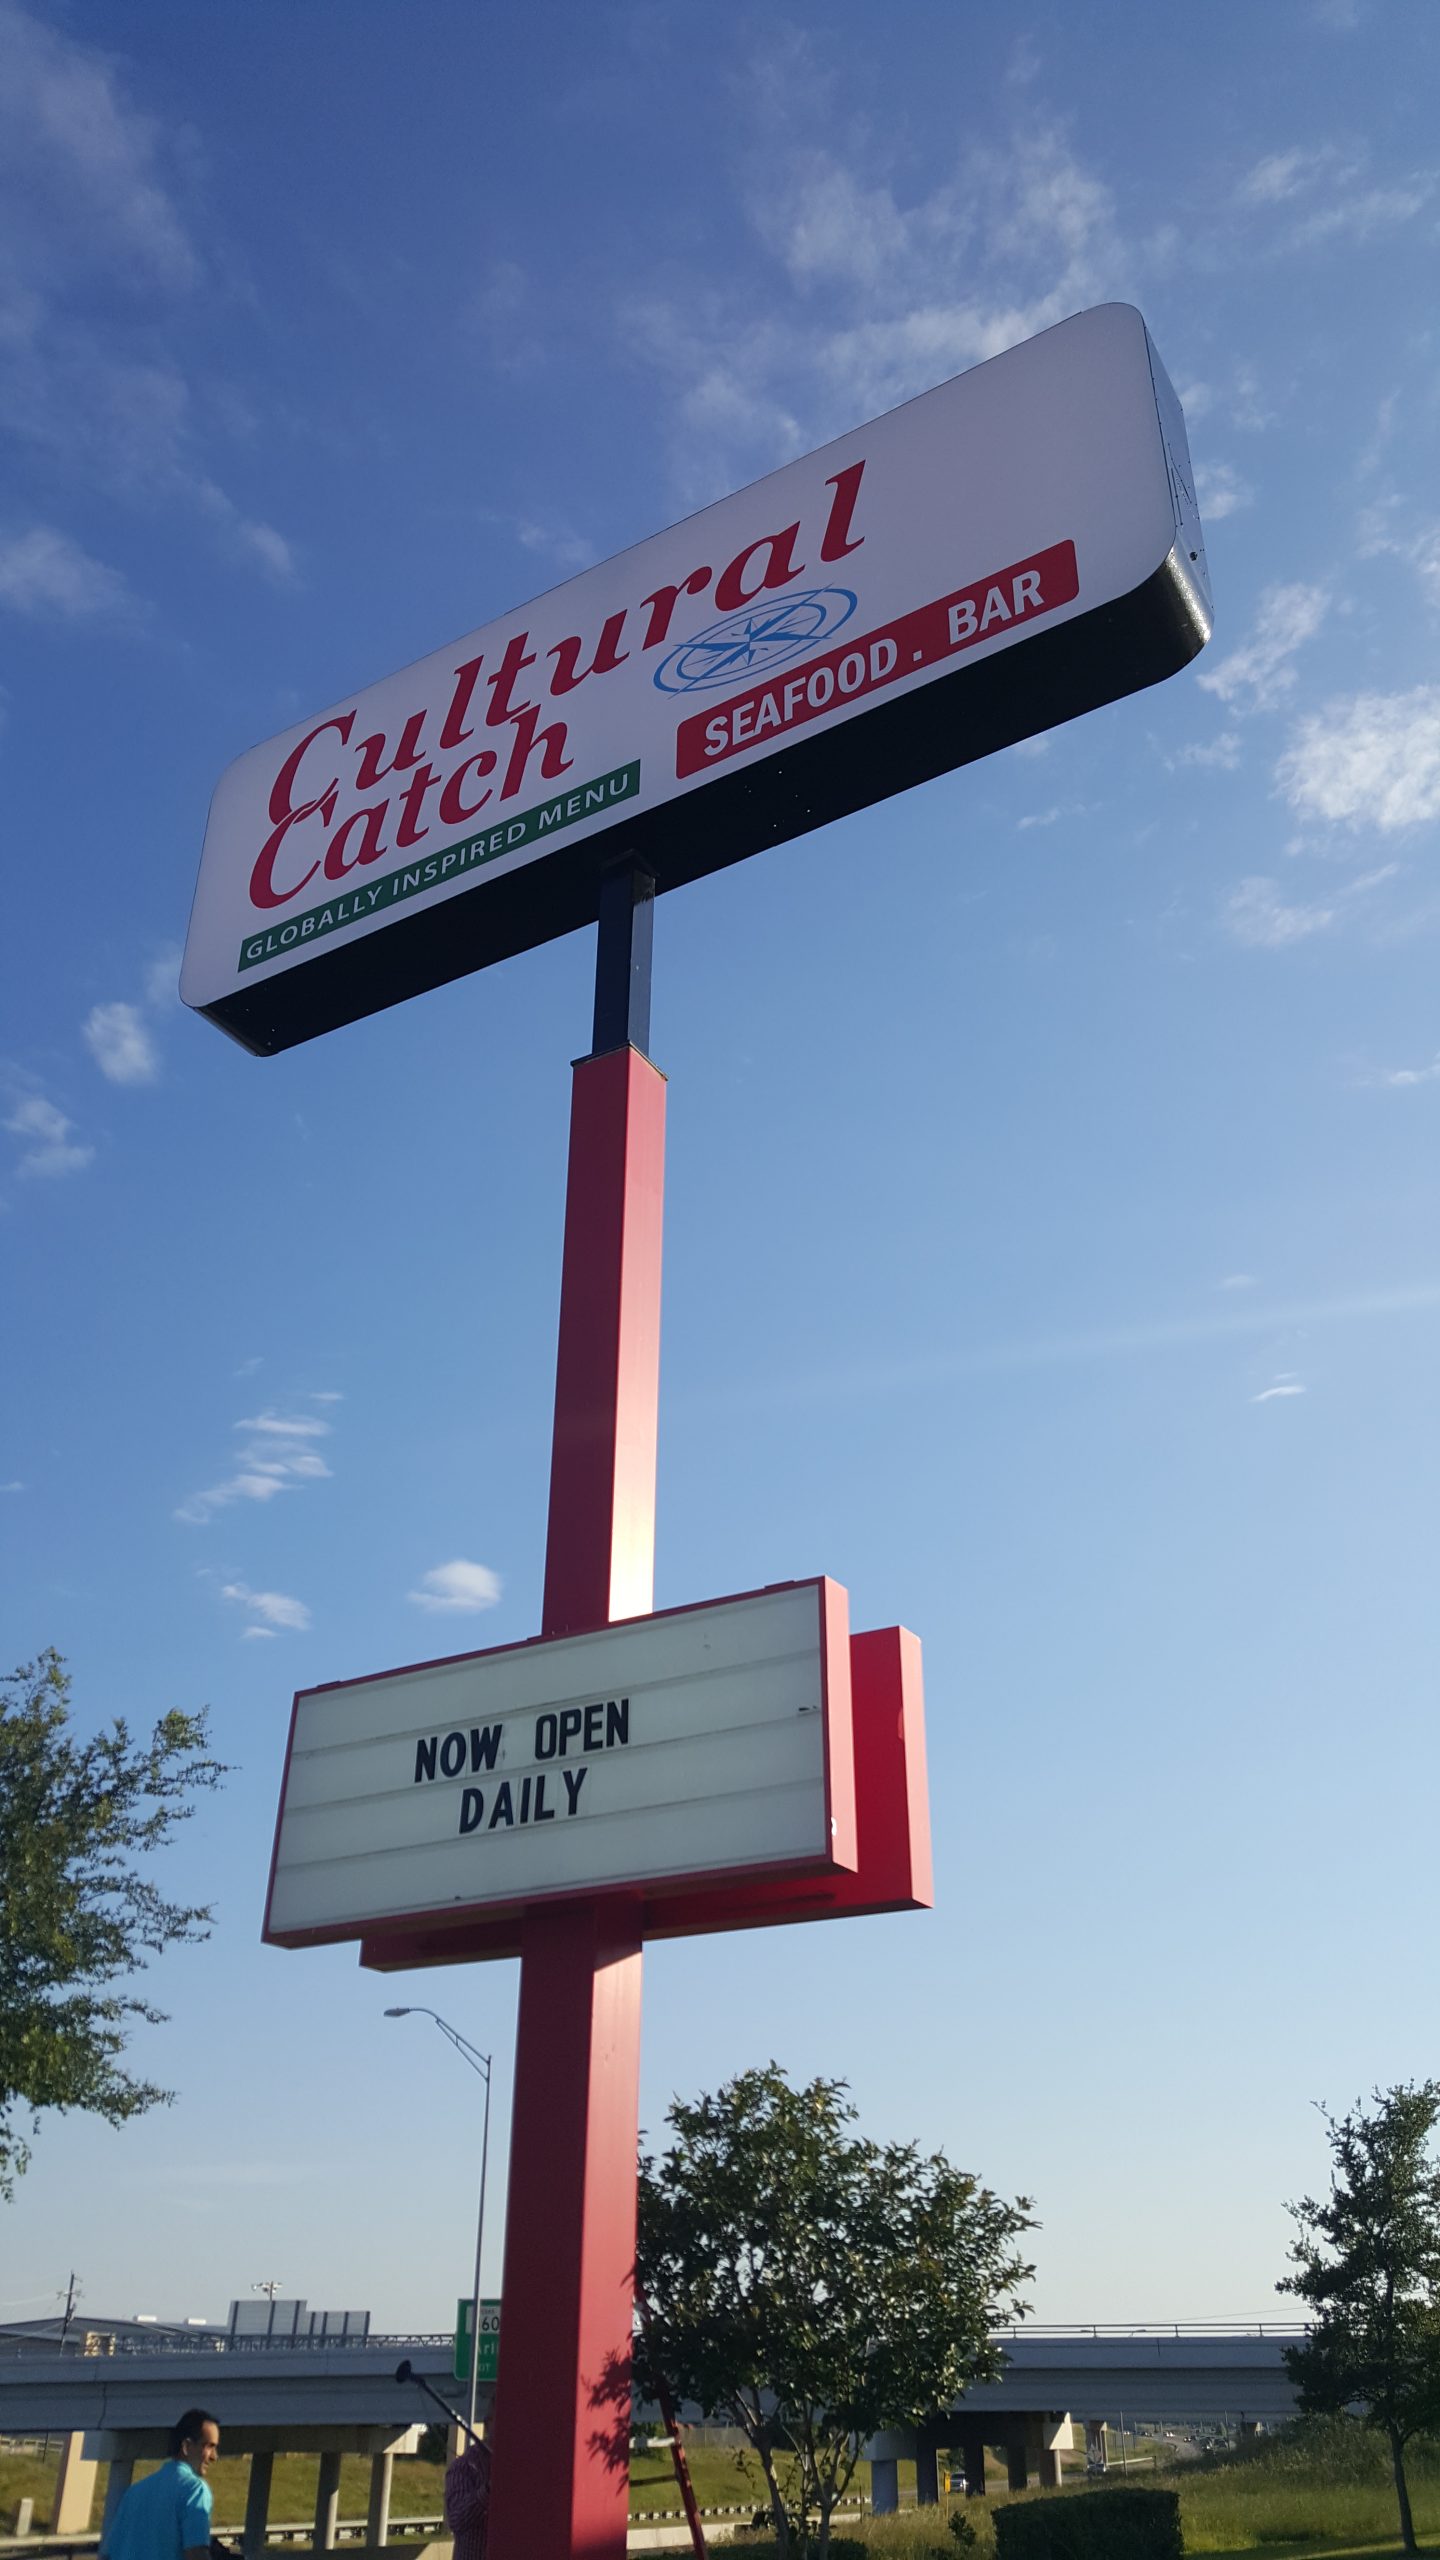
117, 2401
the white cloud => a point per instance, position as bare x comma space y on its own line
120, 1043
43, 572
881, 295
1040, 817
1259, 675
1379, 532
1280, 175
275, 1459
1221, 491
94, 235
1222, 752
569, 551
83, 162
1349, 206
1287, 1385
1399, 1078
162, 978
1238, 1280
1359, 216
274, 1608
14, 1486
1372, 760
1257, 915
50, 1150
459, 1587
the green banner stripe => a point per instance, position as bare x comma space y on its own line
412, 879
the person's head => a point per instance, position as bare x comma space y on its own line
195, 2438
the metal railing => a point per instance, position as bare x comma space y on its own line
97, 2346
1037, 2331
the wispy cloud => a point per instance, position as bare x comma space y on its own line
1257, 914
1237, 1280
48, 1146
1258, 675
1221, 491
120, 1043
1387, 528
91, 217
1399, 1079
1287, 1384
277, 1457
1369, 760
46, 575
1141, 1338
274, 1609
1328, 194
876, 294
458, 1588
1222, 752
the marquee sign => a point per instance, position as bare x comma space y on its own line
680, 1750
1011, 549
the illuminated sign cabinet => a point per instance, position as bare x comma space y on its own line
1002, 553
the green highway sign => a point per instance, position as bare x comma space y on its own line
489, 2340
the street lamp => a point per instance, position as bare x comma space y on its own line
478, 2062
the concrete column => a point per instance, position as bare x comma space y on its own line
377, 2530
327, 2502
1017, 2467
74, 2488
1096, 2448
24, 2517
884, 2488
118, 2480
972, 2460
927, 2472
257, 2504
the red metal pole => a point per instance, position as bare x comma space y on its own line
561, 2478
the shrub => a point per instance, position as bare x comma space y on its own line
1093, 2524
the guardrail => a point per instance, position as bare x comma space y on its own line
161, 2341
171, 2342
1036, 2332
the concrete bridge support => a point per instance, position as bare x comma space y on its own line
118, 2480
377, 2530
327, 2502
972, 2461
74, 2488
927, 2472
257, 2505
1097, 2450
884, 2487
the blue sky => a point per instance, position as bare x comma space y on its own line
1052, 1248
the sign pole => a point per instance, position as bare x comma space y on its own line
562, 2423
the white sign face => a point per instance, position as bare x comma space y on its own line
1003, 552
702, 1742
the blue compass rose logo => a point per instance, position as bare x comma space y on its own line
751, 642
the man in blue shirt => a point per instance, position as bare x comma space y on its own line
167, 2516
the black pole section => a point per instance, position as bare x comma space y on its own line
622, 960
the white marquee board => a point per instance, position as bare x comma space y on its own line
1003, 552
696, 1743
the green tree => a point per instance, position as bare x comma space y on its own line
810, 2287
1367, 2265
77, 1915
